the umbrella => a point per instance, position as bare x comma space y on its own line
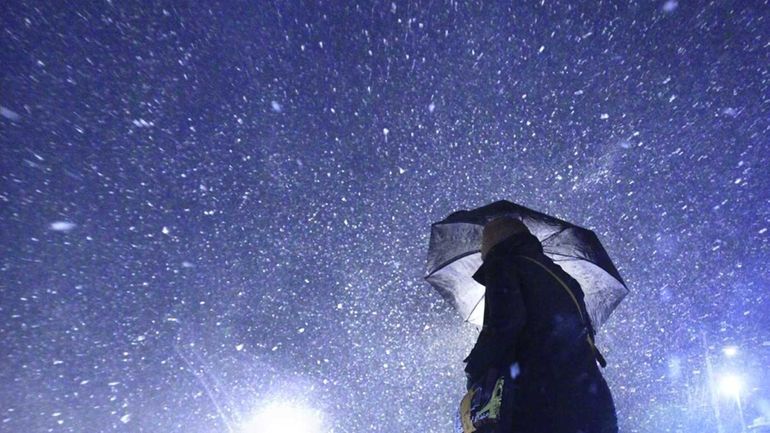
454, 255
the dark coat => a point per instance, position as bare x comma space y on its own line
530, 322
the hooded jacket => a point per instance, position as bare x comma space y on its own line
532, 323
527, 311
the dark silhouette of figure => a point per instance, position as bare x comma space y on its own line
537, 331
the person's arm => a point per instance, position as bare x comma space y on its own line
504, 320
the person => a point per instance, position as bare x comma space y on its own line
537, 333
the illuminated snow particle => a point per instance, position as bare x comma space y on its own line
9, 114
125, 418
514, 370
670, 6
141, 123
62, 226
276, 106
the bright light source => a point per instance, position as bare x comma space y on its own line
730, 384
284, 418
730, 351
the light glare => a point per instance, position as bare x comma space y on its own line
284, 418
730, 385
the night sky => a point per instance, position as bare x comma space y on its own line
215, 212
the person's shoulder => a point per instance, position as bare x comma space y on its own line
501, 267
501, 259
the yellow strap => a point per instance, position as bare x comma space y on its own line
465, 412
489, 413
571, 295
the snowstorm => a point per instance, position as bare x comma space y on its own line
215, 216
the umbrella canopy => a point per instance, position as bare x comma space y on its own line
454, 255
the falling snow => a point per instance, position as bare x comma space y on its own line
141, 123
62, 226
670, 5
9, 114
210, 215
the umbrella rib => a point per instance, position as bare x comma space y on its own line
554, 234
454, 259
476, 306
567, 256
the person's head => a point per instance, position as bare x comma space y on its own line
498, 230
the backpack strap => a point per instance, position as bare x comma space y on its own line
589, 337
